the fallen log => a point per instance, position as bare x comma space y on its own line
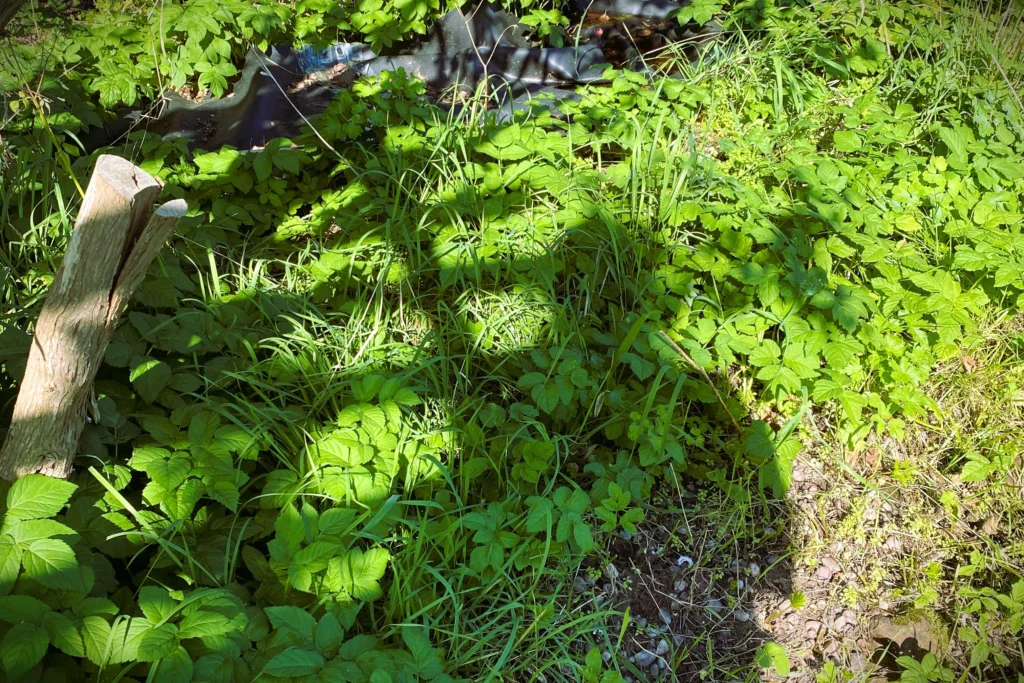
116, 237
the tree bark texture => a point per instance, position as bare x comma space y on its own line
116, 237
8, 8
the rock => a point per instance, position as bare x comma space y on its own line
579, 584
813, 628
606, 656
740, 584
754, 568
741, 616
823, 573
784, 605
641, 622
680, 586
858, 662
644, 659
611, 572
919, 632
678, 640
662, 648
831, 564
714, 605
665, 615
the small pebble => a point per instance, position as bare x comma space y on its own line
666, 616
741, 616
641, 622
714, 605
579, 584
813, 627
823, 573
679, 586
677, 639
611, 572
644, 658
662, 649
606, 656
831, 564
754, 569
740, 584
684, 561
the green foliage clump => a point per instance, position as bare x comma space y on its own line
392, 378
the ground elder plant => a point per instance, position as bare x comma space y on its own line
395, 380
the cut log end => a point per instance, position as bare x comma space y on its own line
173, 209
124, 177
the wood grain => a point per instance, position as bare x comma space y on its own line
116, 237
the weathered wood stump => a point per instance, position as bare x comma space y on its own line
116, 237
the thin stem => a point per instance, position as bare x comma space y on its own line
707, 378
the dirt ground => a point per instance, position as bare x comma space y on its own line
853, 569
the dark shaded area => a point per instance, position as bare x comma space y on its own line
280, 88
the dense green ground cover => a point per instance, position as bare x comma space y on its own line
393, 381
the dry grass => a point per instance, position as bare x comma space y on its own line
865, 553
886, 539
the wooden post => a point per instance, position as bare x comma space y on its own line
116, 237
9, 9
